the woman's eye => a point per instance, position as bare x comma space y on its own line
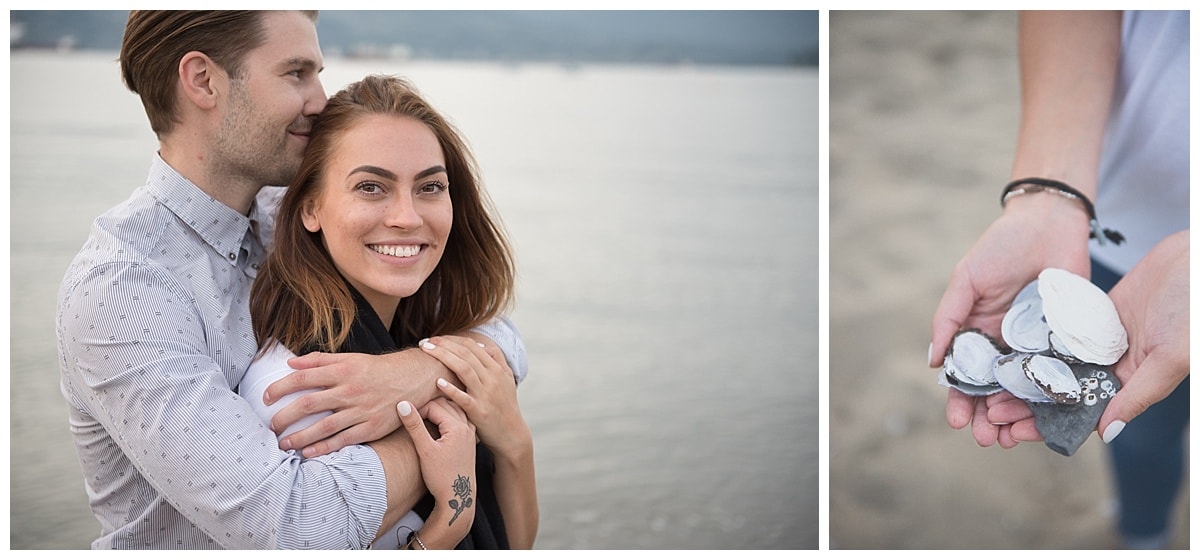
369, 188
433, 188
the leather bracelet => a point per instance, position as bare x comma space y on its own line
1037, 184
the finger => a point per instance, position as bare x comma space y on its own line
311, 360
952, 311
1025, 430
456, 358
328, 426
310, 373
959, 408
1000, 397
456, 395
1009, 411
1148, 385
304, 405
358, 433
1005, 438
411, 419
985, 432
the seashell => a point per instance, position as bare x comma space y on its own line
1011, 375
969, 363
1054, 377
1082, 318
1024, 327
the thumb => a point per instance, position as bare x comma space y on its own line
951, 313
1148, 384
411, 419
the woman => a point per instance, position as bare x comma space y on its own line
385, 238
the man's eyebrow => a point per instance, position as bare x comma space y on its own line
303, 62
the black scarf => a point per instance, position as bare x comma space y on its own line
369, 336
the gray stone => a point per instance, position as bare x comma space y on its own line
1066, 426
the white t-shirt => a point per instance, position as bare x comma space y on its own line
1144, 166
272, 366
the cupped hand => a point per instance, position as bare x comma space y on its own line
1154, 304
1036, 232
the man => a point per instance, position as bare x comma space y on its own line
154, 329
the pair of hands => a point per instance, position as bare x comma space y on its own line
1152, 300
487, 409
359, 390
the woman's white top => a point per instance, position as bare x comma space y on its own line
1144, 168
271, 367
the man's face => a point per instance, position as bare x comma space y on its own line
270, 106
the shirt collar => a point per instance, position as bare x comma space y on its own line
221, 227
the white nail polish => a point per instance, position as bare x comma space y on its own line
929, 355
1113, 430
441, 382
404, 408
427, 345
481, 345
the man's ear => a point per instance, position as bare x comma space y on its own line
200, 79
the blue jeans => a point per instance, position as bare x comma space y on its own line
1148, 456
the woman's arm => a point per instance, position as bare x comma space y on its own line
1068, 63
516, 490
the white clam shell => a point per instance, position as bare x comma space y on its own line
970, 358
1054, 377
1024, 327
1082, 317
1011, 375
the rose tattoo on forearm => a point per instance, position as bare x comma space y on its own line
462, 490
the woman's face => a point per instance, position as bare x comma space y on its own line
383, 208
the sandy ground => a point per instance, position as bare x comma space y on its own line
923, 111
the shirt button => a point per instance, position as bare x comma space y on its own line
232, 256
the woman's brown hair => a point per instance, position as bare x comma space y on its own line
301, 301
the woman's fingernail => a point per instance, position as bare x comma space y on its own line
929, 355
1113, 430
404, 408
427, 345
481, 345
441, 382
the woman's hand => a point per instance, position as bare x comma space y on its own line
490, 401
1036, 231
490, 398
447, 466
1153, 301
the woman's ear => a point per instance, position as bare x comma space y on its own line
200, 79
308, 215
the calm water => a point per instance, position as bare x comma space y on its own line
665, 223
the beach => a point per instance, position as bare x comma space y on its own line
923, 110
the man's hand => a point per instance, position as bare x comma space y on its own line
360, 389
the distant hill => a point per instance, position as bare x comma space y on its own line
700, 37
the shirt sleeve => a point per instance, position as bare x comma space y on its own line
136, 357
504, 333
